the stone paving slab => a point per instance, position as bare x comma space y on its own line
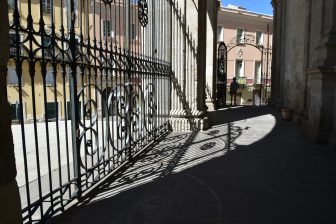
250, 167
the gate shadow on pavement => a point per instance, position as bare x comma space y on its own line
251, 167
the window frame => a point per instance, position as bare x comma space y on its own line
220, 35
109, 33
47, 48
49, 106
13, 76
257, 77
242, 69
16, 107
261, 38
46, 6
12, 49
11, 4
49, 76
240, 40
133, 31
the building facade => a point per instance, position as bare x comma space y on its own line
248, 38
108, 32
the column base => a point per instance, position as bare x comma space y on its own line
315, 135
210, 104
188, 121
332, 139
189, 124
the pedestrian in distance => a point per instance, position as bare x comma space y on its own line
233, 91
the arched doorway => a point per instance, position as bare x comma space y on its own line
257, 81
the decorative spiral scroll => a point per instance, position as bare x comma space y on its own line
135, 111
143, 12
89, 106
138, 107
91, 152
151, 104
108, 1
242, 39
121, 92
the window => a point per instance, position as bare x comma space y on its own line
68, 73
52, 109
11, 4
47, 47
46, 6
12, 78
15, 111
240, 35
79, 106
107, 28
46, 42
239, 68
13, 42
257, 72
133, 31
220, 33
50, 79
259, 38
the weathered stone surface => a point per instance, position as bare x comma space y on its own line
304, 63
211, 29
189, 63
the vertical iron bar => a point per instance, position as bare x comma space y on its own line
261, 76
18, 64
129, 81
267, 61
74, 102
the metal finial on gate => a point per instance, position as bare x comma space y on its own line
143, 12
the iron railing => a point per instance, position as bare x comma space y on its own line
90, 87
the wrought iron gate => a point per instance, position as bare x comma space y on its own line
221, 81
92, 78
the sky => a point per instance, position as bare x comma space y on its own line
261, 6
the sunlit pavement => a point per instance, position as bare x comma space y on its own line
250, 167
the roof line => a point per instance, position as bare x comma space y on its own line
223, 8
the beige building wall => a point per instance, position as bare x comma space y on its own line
230, 19
91, 25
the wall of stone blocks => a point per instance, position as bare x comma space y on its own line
305, 74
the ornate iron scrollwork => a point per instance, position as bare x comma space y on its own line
151, 104
241, 40
143, 12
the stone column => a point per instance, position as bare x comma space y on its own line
211, 53
189, 44
275, 55
320, 109
277, 52
333, 135
10, 209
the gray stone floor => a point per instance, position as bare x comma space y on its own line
251, 167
